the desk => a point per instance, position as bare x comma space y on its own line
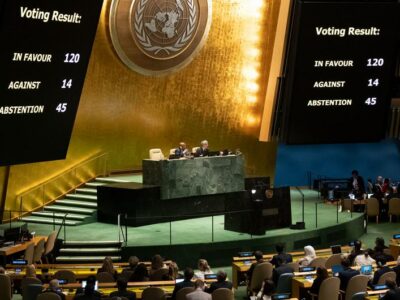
179, 178
299, 283
394, 247
10, 250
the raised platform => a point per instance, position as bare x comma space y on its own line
187, 240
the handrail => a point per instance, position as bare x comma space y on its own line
61, 226
41, 188
302, 202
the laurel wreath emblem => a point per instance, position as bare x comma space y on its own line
145, 41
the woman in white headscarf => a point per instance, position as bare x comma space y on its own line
309, 252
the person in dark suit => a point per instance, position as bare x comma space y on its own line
89, 292
322, 274
122, 290
181, 150
259, 259
281, 268
382, 269
393, 293
54, 287
396, 269
357, 184
221, 283
203, 149
285, 257
187, 282
355, 252
346, 274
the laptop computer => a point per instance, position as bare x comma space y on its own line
396, 236
378, 287
245, 253
336, 269
306, 269
280, 296
336, 249
366, 270
210, 276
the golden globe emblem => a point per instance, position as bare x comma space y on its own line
155, 37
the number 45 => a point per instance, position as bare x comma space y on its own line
61, 107
370, 101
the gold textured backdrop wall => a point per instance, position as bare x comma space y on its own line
218, 97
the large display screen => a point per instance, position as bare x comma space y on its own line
340, 71
44, 52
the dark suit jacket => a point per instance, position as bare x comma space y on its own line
181, 285
392, 294
316, 285
345, 277
127, 294
219, 285
397, 271
379, 273
202, 152
286, 257
179, 152
277, 272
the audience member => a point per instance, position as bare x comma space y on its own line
309, 253
221, 283
30, 271
140, 273
267, 289
173, 271
396, 269
379, 250
393, 293
108, 267
54, 287
157, 263
364, 259
346, 274
382, 269
285, 257
322, 274
122, 290
133, 263
204, 268
355, 252
259, 259
281, 268
187, 282
89, 292
198, 293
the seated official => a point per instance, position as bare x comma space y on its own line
221, 283
187, 282
89, 292
396, 269
203, 149
198, 293
382, 269
346, 274
204, 269
140, 274
108, 267
267, 289
122, 290
259, 259
182, 150
157, 263
309, 255
379, 250
54, 287
364, 259
285, 257
322, 274
133, 263
173, 271
393, 293
281, 268
355, 252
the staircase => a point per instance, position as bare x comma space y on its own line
80, 206
89, 252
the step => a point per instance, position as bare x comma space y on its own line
90, 250
48, 214
82, 259
70, 209
91, 243
81, 197
87, 190
94, 184
77, 203
110, 180
42, 220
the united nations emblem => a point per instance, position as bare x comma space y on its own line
156, 37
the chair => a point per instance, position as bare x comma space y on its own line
318, 262
159, 275
153, 293
357, 284
194, 149
181, 294
394, 208
105, 277
5, 287
27, 281
156, 154
334, 259
329, 289
387, 276
373, 208
222, 294
48, 296
28, 254
172, 151
294, 265
38, 252
67, 275
51, 240
359, 296
261, 272
284, 285
31, 291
